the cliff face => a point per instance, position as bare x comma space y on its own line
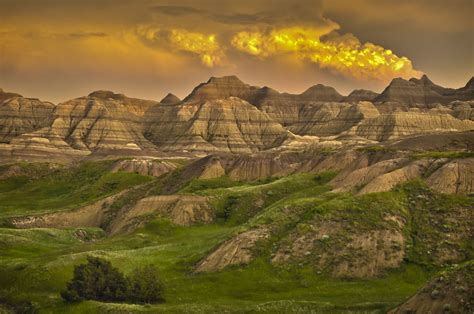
332, 118
20, 115
101, 122
396, 125
229, 125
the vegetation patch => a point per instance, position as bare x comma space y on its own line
63, 188
442, 154
99, 280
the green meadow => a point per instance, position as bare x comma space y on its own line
36, 263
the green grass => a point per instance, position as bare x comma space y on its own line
35, 264
63, 188
443, 154
39, 276
375, 149
237, 204
209, 184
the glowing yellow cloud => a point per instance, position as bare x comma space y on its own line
205, 46
344, 54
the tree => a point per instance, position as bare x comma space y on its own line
96, 280
144, 286
99, 280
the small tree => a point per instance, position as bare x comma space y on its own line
144, 286
96, 280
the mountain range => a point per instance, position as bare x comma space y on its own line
226, 115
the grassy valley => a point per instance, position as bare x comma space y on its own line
36, 263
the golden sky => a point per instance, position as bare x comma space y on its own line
57, 49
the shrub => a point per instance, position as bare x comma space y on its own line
99, 280
96, 280
144, 286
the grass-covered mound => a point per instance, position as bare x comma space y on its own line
62, 188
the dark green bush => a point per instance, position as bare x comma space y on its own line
99, 280
144, 286
96, 280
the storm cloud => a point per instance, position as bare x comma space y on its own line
57, 49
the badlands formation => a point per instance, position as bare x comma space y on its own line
226, 115
356, 187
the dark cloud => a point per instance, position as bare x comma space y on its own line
239, 18
100, 34
245, 12
88, 34
175, 10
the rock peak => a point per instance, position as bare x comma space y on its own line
105, 94
229, 79
399, 81
170, 99
424, 80
361, 95
322, 92
220, 88
5, 95
470, 83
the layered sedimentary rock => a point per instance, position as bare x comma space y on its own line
40, 145
132, 105
332, 118
423, 91
226, 115
349, 180
103, 120
180, 209
281, 107
463, 110
409, 92
236, 251
184, 210
7, 95
92, 215
144, 167
455, 177
361, 95
320, 93
170, 99
395, 125
389, 180
228, 125
450, 141
20, 115
221, 88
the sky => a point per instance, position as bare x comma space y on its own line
57, 50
